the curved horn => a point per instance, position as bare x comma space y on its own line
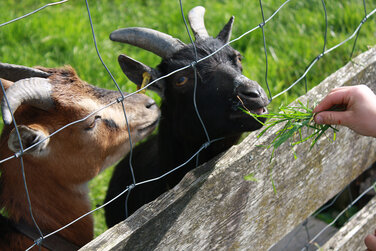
157, 42
31, 91
196, 20
17, 72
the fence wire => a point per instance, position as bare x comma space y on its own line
193, 64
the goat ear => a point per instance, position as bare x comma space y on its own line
6, 84
134, 70
29, 137
225, 33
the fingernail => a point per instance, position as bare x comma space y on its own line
318, 119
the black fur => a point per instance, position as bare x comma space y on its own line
180, 132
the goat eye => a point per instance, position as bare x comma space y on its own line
239, 58
181, 81
93, 123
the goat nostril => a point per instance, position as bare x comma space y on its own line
251, 93
254, 94
151, 105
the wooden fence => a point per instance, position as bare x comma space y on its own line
214, 208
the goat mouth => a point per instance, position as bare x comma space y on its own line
259, 111
148, 128
241, 114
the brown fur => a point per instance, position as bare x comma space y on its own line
57, 179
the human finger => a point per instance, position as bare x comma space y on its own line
332, 118
370, 242
338, 96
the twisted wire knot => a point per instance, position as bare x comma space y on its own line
193, 64
18, 154
364, 20
206, 145
38, 241
131, 186
120, 99
320, 56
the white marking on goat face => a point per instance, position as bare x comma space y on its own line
107, 130
110, 132
112, 113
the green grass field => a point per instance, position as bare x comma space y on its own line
61, 35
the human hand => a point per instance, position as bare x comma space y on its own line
370, 242
360, 112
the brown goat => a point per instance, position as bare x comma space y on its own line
58, 169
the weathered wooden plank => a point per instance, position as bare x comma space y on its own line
351, 236
215, 208
298, 239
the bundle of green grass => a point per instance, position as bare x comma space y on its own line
295, 118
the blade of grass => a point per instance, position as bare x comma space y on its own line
295, 118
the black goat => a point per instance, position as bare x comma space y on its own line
220, 87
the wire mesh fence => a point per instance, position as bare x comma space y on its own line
272, 96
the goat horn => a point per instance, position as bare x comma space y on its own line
157, 42
17, 72
31, 91
196, 20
